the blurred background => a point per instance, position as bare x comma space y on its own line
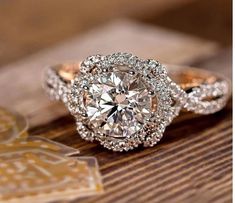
29, 26
36, 33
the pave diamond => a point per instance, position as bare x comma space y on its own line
117, 104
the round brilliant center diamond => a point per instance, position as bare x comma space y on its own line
117, 104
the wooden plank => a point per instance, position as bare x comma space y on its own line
192, 163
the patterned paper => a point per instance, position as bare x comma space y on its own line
39, 170
13, 126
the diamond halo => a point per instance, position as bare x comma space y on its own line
121, 101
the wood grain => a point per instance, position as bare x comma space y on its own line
192, 163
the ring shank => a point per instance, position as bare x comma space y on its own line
67, 72
204, 92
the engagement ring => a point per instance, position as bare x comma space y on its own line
123, 101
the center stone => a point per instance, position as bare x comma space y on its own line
117, 104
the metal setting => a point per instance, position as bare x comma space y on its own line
123, 101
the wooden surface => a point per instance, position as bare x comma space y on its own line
192, 163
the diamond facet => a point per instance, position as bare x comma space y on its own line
117, 103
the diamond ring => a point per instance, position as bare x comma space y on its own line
123, 101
